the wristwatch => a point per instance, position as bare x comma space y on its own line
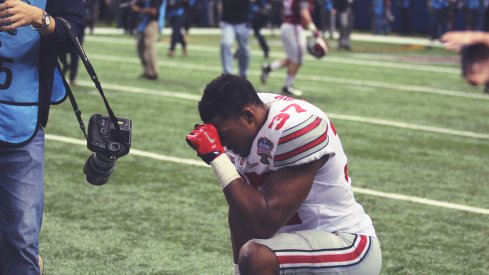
45, 21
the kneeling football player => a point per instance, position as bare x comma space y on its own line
283, 171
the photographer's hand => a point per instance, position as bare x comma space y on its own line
205, 140
16, 13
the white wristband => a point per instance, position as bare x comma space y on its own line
312, 27
224, 170
236, 269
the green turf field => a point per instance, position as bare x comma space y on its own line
410, 126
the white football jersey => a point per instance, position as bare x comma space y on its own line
296, 132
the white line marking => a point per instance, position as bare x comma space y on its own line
329, 59
422, 201
137, 90
374, 121
133, 151
410, 126
393, 196
321, 78
391, 39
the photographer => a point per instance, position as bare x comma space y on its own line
31, 37
474, 51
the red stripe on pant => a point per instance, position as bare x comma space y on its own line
317, 259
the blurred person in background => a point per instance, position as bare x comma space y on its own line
473, 14
344, 11
126, 20
111, 9
70, 60
32, 35
454, 6
439, 18
91, 13
405, 11
148, 32
382, 16
191, 15
260, 16
379, 22
296, 17
176, 15
329, 16
276, 14
323, 17
234, 20
71, 66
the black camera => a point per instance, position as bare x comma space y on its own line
108, 142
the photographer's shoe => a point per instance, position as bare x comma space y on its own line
265, 71
291, 91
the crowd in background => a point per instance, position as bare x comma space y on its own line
207, 13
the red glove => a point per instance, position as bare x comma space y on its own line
205, 140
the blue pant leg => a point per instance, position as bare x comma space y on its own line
21, 206
242, 36
227, 40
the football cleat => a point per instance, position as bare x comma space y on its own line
265, 71
291, 91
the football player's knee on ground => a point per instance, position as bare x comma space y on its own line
257, 259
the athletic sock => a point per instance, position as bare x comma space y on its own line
289, 81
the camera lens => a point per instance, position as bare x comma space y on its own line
98, 169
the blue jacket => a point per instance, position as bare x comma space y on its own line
46, 47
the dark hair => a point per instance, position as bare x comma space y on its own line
478, 52
226, 96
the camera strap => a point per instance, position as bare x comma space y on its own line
74, 105
93, 76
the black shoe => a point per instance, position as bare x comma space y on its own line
149, 77
265, 71
152, 77
291, 91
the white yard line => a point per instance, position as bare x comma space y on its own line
319, 78
393, 196
187, 96
391, 39
329, 59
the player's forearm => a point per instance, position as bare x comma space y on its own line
239, 234
306, 17
252, 209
